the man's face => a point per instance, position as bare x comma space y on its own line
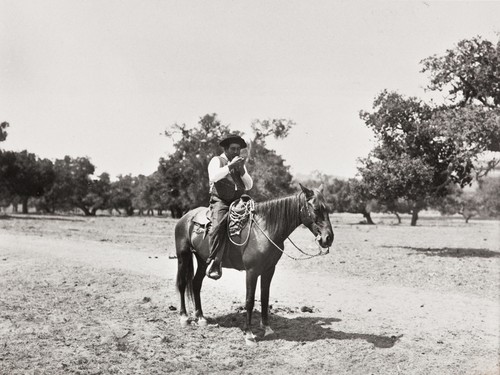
232, 151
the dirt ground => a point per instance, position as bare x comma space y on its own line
97, 296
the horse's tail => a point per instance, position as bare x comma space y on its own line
185, 266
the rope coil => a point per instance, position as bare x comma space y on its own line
239, 216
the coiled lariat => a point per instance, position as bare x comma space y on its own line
238, 217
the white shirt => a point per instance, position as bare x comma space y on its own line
216, 172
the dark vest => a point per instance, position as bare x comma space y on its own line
230, 187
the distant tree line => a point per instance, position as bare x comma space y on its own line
426, 156
179, 184
352, 196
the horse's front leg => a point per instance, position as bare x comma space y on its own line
251, 283
265, 283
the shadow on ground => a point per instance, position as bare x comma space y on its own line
451, 252
303, 329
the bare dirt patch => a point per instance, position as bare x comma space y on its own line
97, 295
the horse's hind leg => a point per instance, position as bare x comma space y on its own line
265, 284
197, 283
182, 284
184, 274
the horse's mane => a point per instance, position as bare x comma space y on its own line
279, 213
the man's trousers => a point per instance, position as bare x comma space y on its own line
217, 237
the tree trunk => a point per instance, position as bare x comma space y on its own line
368, 218
176, 212
25, 204
85, 210
399, 217
467, 214
414, 217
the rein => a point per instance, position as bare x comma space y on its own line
308, 256
249, 210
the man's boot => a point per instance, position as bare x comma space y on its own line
214, 269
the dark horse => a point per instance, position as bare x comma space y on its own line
274, 221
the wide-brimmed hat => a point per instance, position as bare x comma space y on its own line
233, 138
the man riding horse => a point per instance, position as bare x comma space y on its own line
229, 180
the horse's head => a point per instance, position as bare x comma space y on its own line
314, 215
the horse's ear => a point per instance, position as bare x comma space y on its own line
309, 193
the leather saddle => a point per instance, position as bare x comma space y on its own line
203, 222
202, 217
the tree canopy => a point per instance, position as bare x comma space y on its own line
3, 132
74, 187
469, 72
424, 149
185, 171
25, 175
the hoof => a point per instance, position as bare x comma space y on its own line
184, 320
250, 342
202, 322
268, 331
250, 339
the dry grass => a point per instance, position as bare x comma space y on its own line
96, 296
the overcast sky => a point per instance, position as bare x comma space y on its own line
104, 79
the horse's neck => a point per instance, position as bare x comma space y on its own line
281, 216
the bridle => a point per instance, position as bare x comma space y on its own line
305, 218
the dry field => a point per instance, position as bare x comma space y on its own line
97, 296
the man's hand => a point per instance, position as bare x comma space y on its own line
236, 161
237, 164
